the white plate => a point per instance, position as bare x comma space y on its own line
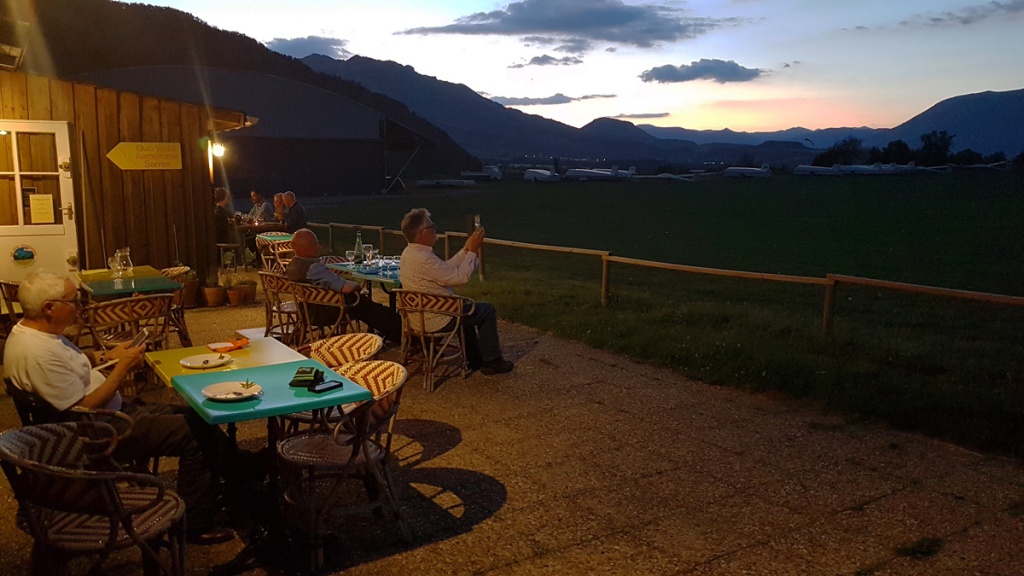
204, 361
231, 391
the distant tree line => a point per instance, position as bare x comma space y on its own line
934, 151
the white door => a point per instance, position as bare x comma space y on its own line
37, 205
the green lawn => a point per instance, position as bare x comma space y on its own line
951, 368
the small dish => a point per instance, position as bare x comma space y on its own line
232, 391
204, 361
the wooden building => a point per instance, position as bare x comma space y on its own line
65, 204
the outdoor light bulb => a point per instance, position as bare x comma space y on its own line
218, 150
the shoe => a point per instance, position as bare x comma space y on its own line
497, 366
473, 365
215, 535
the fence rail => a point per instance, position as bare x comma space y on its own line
830, 281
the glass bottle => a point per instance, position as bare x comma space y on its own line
359, 247
123, 256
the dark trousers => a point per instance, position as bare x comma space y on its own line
377, 316
480, 331
165, 430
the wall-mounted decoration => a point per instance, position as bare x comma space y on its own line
23, 255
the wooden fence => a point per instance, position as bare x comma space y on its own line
831, 281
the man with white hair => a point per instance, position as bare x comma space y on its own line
295, 216
40, 360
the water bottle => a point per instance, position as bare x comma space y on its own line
359, 247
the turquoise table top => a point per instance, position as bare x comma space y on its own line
277, 399
387, 276
130, 285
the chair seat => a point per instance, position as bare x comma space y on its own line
86, 533
322, 452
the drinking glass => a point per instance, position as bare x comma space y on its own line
114, 263
351, 255
368, 253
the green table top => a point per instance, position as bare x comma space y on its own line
275, 237
259, 352
101, 274
277, 398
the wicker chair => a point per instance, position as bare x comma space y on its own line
10, 314
334, 352
114, 322
180, 275
74, 506
281, 309
316, 465
311, 298
433, 346
265, 248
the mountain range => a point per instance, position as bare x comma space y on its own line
466, 128
987, 122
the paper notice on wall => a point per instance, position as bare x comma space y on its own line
41, 208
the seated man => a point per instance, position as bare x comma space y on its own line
423, 271
306, 267
40, 360
261, 210
295, 214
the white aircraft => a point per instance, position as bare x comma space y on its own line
584, 174
666, 176
541, 175
488, 173
807, 169
745, 172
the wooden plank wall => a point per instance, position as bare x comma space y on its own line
141, 209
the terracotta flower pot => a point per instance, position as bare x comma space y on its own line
214, 295
235, 296
250, 292
190, 293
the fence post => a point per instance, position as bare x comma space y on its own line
480, 265
604, 279
381, 244
830, 298
447, 248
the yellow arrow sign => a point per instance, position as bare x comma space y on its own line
146, 156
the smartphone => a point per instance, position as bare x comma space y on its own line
325, 386
476, 221
141, 337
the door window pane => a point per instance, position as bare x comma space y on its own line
37, 152
41, 200
6, 153
8, 202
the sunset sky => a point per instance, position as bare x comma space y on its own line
746, 65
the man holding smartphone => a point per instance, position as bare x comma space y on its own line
424, 271
40, 360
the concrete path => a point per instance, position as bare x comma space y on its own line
584, 462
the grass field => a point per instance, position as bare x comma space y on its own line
950, 368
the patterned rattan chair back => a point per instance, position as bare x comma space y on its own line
314, 308
281, 308
9, 295
180, 275
346, 348
116, 321
432, 328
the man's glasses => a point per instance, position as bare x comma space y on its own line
76, 303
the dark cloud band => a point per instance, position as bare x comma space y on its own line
720, 71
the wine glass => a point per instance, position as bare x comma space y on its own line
114, 263
367, 253
350, 255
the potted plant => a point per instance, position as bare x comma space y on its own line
249, 288
235, 293
190, 291
213, 293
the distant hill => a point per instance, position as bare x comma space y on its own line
84, 36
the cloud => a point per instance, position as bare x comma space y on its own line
968, 15
302, 47
568, 45
720, 71
642, 116
547, 100
546, 60
569, 21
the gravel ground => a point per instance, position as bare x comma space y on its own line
585, 462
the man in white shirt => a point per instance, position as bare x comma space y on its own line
423, 271
40, 360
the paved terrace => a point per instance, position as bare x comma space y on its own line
585, 462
